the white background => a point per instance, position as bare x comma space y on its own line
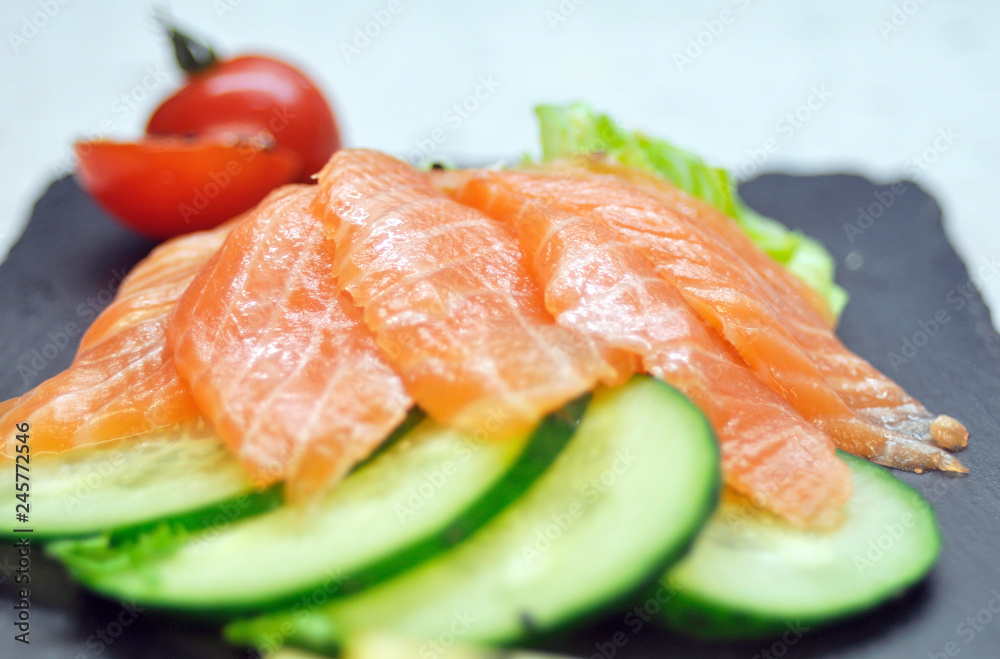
897, 73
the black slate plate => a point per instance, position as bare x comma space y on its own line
903, 277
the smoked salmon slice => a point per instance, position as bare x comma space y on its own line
122, 381
448, 295
153, 286
866, 390
605, 288
727, 294
278, 358
784, 286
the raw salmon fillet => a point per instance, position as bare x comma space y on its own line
604, 287
728, 296
866, 390
448, 295
153, 286
278, 358
122, 381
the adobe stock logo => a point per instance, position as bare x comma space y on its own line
32, 25
365, 34
712, 29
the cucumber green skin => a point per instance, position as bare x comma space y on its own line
645, 529
697, 609
102, 551
127, 565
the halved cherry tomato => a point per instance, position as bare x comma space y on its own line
248, 95
197, 167
165, 186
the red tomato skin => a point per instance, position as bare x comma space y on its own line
250, 94
163, 187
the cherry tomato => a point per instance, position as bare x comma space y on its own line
245, 96
165, 186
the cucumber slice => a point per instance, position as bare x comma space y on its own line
622, 500
422, 493
131, 481
750, 575
383, 646
383, 649
379, 647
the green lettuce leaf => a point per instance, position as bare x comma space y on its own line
575, 128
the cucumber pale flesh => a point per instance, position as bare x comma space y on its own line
750, 575
382, 646
130, 481
622, 500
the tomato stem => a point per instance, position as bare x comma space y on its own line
192, 56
